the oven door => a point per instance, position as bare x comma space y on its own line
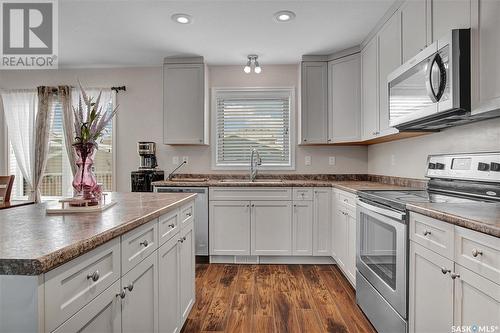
381, 252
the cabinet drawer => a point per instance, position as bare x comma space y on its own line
187, 214
138, 244
302, 194
432, 234
168, 226
250, 193
478, 252
346, 198
71, 286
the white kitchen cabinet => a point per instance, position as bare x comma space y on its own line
485, 48
169, 286
369, 89
184, 101
413, 28
340, 237
322, 226
477, 300
351, 245
302, 228
229, 227
187, 271
430, 291
344, 99
271, 228
389, 58
314, 102
140, 301
448, 15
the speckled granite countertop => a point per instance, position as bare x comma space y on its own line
479, 216
32, 242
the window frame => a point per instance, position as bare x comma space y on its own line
216, 91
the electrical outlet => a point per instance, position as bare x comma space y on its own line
307, 160
331, 160
393, 160
175, 160
185, 159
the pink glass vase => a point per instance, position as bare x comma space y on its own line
85, 181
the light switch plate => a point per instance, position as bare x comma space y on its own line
331, 160
175, 160
307, 160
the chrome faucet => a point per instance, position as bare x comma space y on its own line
253, 166
171, 175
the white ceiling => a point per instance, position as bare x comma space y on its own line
136, 33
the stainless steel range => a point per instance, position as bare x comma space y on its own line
382, 231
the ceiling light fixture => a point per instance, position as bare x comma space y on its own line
182, 18
252, 58
284, 16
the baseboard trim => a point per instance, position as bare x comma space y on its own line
284, 260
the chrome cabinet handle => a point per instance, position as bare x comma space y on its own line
122, 294
189, 214
253, 205
94, 276
130, 287
427, 232
454, 275
144, 243
445, 271
171, 225
181, 240
476, 252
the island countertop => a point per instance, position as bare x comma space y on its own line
32, 242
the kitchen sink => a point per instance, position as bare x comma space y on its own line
248, 181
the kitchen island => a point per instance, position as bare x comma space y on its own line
61, 273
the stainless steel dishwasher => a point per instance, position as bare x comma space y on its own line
201, 214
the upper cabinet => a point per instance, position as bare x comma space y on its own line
389, 58
369, 88
447, 15
344, 99
184, 101
413, 28
314, 99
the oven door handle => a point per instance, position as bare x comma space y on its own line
382, 211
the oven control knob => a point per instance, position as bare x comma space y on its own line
483, 166
440, 166
432, 166
494, 166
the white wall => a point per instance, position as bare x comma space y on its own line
140, 114
411, 154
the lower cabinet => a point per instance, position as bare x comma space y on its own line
271, 224
101, 315
229, 227
322, 225
187, 271
169, 286
302, 228
140, 297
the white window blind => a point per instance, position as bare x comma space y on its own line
251, 119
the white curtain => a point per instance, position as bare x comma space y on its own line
20, 112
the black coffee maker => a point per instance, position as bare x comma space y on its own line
148, 168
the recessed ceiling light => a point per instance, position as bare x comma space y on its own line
284, 16
182, 18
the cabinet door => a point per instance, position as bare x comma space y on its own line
169, 286
430, 292
302, 228
271, 227
340, 237
103, 314
477, 300
140, 304
448, 15
413, 27
314, 90
369, 89
229, 228
187, 271
184, 104
321, 226
344, 99
351, 246
485, 48
389, 59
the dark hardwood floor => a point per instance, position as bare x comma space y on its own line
274, 298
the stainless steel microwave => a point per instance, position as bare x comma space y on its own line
432, 90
